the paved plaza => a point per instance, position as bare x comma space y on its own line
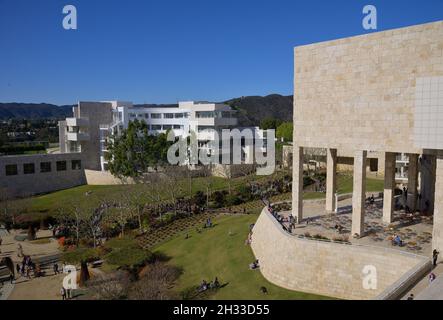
42, 252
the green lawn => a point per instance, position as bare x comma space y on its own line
221, 252
50, 202
344, 182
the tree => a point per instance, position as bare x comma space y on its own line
155, 283
135, 202
112, 286
120, 212
285, 131
269, 123
94, 222
172, 177
131, 153
72, 219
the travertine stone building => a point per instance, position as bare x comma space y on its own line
380, 92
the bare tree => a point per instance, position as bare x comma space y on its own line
112, 286
72, 218
172, 178
156, 283
135, 201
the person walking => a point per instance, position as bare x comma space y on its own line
55, 268
63, 293
434, 257
11, 278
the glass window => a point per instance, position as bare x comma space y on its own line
167, 126
28, 168
205, 128
76, 164
178, 115
205, 114
45, 166
156, 115
61, 165
146, 115
156, 127
228, 114
177, 126
132, 115
11, 170
168, 115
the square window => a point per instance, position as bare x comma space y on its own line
11, 169
28, 168
76, 164
61, 165
45, 166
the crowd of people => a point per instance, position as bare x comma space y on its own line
27, 266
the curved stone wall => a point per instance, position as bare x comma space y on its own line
327, 268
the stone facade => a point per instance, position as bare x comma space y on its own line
64, 171
359, 93
377, 93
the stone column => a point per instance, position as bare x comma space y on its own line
412, 181
331, 179
359, 193
437, 233
388, 193
297, 183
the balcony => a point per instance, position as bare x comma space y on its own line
77, 122
77, 136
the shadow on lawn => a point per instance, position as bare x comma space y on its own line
193, 293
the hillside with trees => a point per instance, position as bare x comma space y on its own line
251, 110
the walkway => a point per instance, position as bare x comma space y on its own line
424, 290
43, 251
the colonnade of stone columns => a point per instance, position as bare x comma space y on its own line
359, 187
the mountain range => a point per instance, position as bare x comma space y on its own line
251, 109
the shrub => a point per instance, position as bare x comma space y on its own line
232, 200
126, 252
155, 282
199, 198
132, 256
76, 255
219, 199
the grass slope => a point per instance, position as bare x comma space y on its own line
50, 202
221, 252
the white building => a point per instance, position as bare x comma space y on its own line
94, 122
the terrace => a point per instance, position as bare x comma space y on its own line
415, 230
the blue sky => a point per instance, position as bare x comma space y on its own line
165, 51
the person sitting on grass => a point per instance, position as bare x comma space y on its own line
216, 283
255, 265
203, 286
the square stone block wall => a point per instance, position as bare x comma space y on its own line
359, 93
